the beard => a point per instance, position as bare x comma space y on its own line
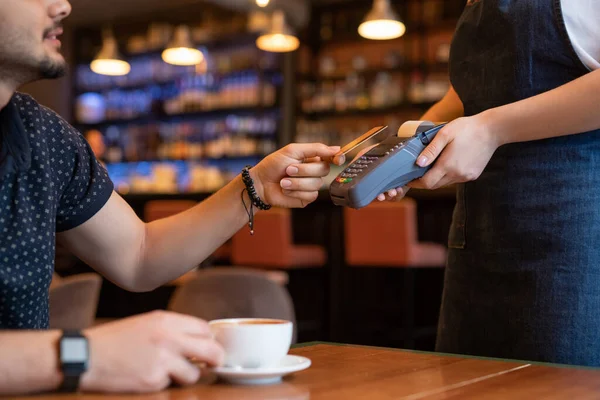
52, 69
23, 68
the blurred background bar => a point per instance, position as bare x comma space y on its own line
177, 97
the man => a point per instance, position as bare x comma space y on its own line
52, 187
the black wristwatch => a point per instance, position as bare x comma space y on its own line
74, 359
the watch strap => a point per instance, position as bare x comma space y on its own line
70, 383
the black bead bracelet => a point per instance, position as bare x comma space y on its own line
258, 203
254, 199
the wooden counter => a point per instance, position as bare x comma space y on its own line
348, 372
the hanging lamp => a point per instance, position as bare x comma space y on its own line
280, 38
381, 23
180, 50
109, 61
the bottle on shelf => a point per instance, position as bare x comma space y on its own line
326, 30
114, 152
416, 93
379, 91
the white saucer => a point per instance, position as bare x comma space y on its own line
263, 376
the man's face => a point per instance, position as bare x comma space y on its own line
29, 38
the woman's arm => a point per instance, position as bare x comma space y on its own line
464, 147
569, 109
448, 108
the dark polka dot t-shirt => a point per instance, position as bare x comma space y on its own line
50, 182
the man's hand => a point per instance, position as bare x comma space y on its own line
146, 353
292, 176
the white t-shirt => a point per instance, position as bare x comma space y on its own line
582, 19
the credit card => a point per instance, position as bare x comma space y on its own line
358, 141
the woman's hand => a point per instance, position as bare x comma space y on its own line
462, 148
292, 176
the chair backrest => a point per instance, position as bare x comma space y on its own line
384, 233
158, 209
228, 292
271, 244
74, 300
56, 279
64, 260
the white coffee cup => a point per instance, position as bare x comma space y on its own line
253, 342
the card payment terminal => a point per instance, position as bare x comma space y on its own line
389, 165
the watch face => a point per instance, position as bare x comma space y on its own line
74, 350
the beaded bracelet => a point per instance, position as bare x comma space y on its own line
258, 203
254, 199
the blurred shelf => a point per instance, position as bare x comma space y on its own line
372, 72
438, 67
367, 73
169, 82
162, 118
369, 111
128, 86
443, 25
195, 160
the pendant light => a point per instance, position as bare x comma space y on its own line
262, 3
280, 38
109, 61
381, 23
181, 50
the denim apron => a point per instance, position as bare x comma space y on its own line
523, 275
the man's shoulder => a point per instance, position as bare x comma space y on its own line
24, 99
46, 117
28, 105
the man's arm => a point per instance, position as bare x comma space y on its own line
141, 257
29, 362
141, 354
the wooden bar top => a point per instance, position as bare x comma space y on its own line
353, 372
